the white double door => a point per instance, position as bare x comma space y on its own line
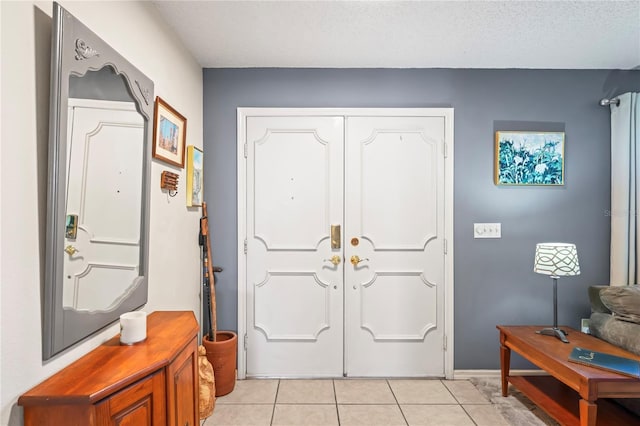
381, 180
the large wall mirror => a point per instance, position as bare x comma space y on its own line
98, 196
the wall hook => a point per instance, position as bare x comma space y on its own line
169, 181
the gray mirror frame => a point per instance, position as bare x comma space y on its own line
75, 51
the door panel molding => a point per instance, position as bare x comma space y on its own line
386, 146
427, 240
315, 328
270, 132
290, 196
446, 148
125, 186
84, 286
370, 317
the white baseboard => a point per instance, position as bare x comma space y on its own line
468, 374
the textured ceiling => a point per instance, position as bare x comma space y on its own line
409, 34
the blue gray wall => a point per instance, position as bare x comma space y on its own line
494, 282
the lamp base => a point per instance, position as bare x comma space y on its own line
560, 334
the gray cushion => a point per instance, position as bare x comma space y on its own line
594, 298
620, 333
624, 302
623, 334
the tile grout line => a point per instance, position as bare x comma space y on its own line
458, 401
335, 398
397, 402
442, 382
273, 410
467, 413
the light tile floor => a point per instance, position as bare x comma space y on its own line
354, 402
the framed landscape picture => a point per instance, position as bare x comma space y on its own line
169, 134
529, 158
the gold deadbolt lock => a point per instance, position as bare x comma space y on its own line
335, 236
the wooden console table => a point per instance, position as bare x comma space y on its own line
154, 382
570, 392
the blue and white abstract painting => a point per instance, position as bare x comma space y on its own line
529, 158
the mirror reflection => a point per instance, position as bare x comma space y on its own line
98, 189
105, 154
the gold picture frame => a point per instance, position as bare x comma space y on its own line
169, 134
195, 178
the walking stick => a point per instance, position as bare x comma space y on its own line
209, 292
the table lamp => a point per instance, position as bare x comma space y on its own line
557, 260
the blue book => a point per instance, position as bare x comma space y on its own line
617, 364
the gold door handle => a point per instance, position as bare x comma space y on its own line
355, 260
71, 250
335, 259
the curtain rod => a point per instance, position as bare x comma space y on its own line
614, 101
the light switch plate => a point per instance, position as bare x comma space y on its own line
487, 230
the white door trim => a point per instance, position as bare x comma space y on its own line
446, 113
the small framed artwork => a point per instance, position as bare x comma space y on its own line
194, 176
529, 158
169, 134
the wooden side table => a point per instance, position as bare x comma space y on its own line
570, 391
